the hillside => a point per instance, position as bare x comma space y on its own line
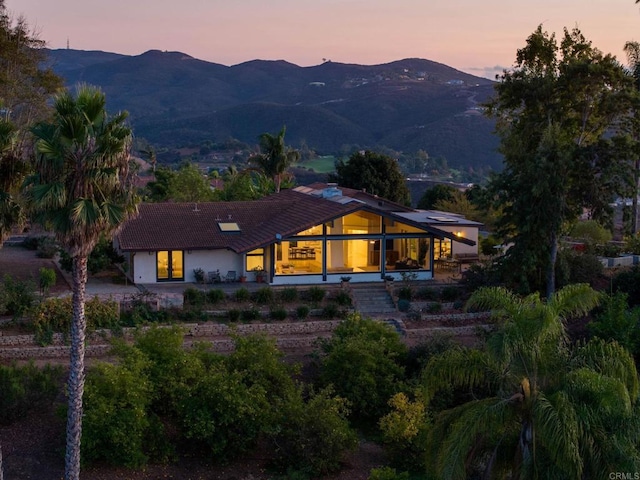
407, 105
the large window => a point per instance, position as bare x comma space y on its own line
170, 265
408, 254
355, 256
255, 259
356, 223
299, 257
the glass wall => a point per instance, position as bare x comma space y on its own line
299, 257
408, 254
357, 255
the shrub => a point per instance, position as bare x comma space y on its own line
449, 294
192, 297
47, 248
343, 298
628, 282
278, 313
54, 315
46, 280
316, 294
234, 315
427, 293
289, 294
405, 432
387, 473
302, 312
404, 305
215, 296
198, 275
25, 388
330, 311
315, 434
632, 244
615, 321
363, 360
250, 314
405, 293
242, 295
116, 423
264, 295
17, 296
434, 308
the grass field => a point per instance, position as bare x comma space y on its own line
320, 164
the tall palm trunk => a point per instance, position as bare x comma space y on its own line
76, 369
1, 474
634, 204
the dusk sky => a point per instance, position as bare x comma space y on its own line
479, 37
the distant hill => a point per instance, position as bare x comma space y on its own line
407, 105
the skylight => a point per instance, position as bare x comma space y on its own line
229, 226
443, 219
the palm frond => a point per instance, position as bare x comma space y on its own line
456, 367
574, 300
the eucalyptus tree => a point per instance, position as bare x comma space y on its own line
540, 407
25, 85
560, 118
81, 190
275, 157
632, 50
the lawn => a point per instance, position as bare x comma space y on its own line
325, 164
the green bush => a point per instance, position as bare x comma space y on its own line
278, 313
632, 244
364, 361
615, 321
387, 473
343, 298
264, 295
330, 311
17, 296
302, 312
404, 305
250, 314
234, 314
116, 424
215, 296
427, 293
47, 279
101, 258
26, 388
192, 297
314, 436
316, 294
405, 293
450, 294
628, 282
405, 430
54, 315
242, 295
47, 248
289, 294
434, 308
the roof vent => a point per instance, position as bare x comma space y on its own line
331, 190
229, 216
195, 207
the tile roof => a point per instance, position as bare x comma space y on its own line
191, 226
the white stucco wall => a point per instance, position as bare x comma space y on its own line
208, 260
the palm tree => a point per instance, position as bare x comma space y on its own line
150, 153
540, 408
276, 157
81, 189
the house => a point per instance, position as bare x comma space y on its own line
305, 235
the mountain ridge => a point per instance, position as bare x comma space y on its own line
404, 105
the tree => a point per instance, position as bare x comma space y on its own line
189, 185
376, 173
559, 117
632, 49
363, 361
25, 86
82, 190
434, 194
538, 407
275, 158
